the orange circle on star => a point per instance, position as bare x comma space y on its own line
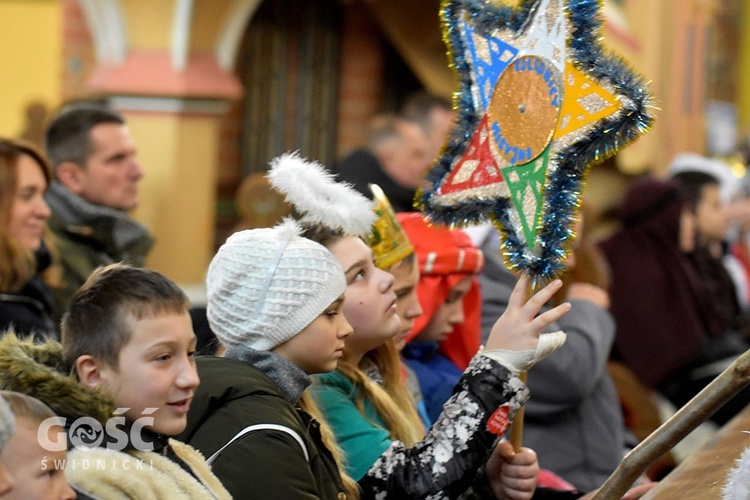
524, 108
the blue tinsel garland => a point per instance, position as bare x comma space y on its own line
562, 191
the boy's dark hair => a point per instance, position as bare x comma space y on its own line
693, 183
67, 135
98, 319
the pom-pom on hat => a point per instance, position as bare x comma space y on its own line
265, 285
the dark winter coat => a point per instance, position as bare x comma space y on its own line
30, 310
87, 236
362, 167
445, 464
261, 464
437, 374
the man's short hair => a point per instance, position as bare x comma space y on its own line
419, 105
384, 128
98, 320
67, 137
27, 408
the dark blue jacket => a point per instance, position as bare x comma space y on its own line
436, 373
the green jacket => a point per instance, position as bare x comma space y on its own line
86, 236
261, 464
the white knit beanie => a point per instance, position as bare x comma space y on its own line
266, 285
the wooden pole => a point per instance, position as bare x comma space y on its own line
516, 427
697, 410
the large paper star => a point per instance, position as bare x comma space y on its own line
539, 103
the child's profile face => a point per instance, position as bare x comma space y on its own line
319, 346
370, 305
37, 473
406, 278
449, 314
156, 370
711, 214
688, 231
6, 481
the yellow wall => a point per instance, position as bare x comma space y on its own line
743, 76
145, 23
149, 24
31, 58
208, 19
178, 154
646, 21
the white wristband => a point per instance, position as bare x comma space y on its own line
518, 361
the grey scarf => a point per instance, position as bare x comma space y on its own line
292, 381
74, 210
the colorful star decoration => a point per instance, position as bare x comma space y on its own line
539, 103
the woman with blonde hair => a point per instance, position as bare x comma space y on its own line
26, 302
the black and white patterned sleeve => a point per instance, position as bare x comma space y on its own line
444, 464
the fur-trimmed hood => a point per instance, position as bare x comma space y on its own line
38, 370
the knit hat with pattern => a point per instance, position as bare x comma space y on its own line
266, 285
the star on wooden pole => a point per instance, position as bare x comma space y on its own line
539, 103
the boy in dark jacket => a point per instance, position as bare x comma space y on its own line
128, 339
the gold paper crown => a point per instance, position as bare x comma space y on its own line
387, 240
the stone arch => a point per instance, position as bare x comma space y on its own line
235, 23
107, 23
107, 26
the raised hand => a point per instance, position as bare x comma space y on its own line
519, 327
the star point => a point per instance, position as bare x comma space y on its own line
533, 111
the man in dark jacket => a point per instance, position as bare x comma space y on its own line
395, 157
96, 174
